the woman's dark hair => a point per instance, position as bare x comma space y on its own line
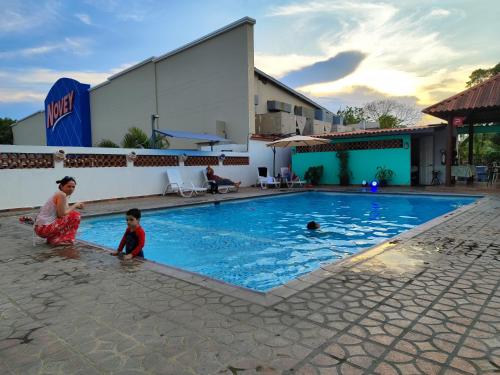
63, 181
313, 225
134, 212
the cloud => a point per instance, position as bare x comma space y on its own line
137, 17
440, 13
32, 85
85, 18
279, 65
332, 69
401, 54
16, 96
77, 46
22, 16
125, 10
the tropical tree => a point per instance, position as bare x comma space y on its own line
135, 138
107, 143
480, 75
351, 115
391, 114
6, 137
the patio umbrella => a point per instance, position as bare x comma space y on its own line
294, 141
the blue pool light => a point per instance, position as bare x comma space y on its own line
374, 186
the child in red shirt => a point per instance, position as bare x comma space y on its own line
134, 237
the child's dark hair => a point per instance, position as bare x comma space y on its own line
312, 225
63, 181
134, 212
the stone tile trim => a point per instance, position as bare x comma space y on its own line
236, 160
94, 160
201, 160
156, 161
11, 160
348, 146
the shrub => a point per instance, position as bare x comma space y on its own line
344, 173
313, 174
384, 175
107, 143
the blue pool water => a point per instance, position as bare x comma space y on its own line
263, 243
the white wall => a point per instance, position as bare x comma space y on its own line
32, 187
262, 156
30, 130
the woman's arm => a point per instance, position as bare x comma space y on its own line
62, 207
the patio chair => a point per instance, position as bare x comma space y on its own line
289, 178
223, 189
177, 185
264, 180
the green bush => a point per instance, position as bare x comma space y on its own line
107, 143
344, 173
384, 175
313, 174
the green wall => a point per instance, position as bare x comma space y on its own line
362, 163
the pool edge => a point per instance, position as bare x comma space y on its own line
277, 294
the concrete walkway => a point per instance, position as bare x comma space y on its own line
429, 304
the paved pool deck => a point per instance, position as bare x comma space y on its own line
428, 303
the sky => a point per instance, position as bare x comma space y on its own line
339, 53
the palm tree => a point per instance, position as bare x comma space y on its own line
107, 143
135, 138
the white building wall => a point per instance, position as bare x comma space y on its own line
32, 187
30, 130
269, 91
207, 83
126, 101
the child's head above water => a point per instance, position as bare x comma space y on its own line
133, 217
313, 225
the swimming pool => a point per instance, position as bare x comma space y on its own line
263, 243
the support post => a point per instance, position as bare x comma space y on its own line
470, 180
449, 151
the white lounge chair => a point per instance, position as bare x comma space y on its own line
177, 185
265, 182
223, 189
290, 181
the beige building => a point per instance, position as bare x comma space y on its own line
207, 86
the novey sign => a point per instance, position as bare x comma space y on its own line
67, 114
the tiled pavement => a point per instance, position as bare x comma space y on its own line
426, 305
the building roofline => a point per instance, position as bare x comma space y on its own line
289, 89
116, 75
26, 117
231, 26
381, 132
432, 109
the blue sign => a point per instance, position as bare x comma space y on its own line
67, 114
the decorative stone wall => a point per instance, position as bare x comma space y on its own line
236, 160
349, 146
156, 161
201, 160
11, 160
94, 160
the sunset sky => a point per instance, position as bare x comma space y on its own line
337, 52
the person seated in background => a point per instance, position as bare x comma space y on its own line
211, 176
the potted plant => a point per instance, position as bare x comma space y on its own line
344, 173
384, 175
313, 174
